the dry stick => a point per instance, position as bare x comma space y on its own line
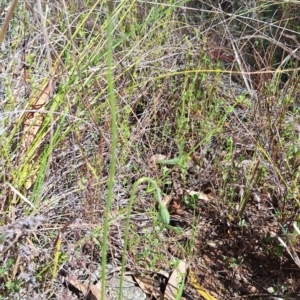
240, 62
7, 20
46, 37
284, 62
279, 44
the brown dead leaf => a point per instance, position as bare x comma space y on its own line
77, 284
176, 207
147, 285
33, 121
94, 290
95, 293
176, 280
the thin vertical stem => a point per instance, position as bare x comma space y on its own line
114, 138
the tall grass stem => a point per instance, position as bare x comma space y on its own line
114, 139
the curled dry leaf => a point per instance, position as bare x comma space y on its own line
77, 284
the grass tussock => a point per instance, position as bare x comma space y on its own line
135, 135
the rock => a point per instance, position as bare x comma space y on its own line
129, 290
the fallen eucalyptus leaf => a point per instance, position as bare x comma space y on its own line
175, 284
95, 293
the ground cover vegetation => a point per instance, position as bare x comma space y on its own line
137, 135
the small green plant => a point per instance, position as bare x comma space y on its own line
243, 223
11, 285
270, 247
191, 201
235, 262
4, 269
174, 263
